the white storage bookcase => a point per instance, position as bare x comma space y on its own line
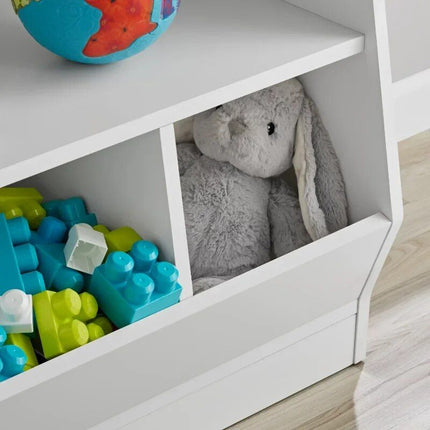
106, 133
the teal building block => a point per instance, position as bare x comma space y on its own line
145, 255
18, 258
12, 358
52, 264
125, 293
71, 211
51, 230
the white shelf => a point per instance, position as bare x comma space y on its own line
53, 111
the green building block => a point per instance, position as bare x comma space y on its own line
26, 202
64, 320
19, 4
23, 342
104, 323
121, 239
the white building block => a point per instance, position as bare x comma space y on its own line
16, 312
85, 249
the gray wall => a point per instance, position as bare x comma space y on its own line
409, 30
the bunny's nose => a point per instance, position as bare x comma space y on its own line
236, 127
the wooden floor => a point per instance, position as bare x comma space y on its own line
392, 389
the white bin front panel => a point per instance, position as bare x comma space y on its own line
328, 276
255, 387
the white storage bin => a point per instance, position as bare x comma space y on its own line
224, 354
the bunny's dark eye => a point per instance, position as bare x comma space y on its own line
218, 107
270, 128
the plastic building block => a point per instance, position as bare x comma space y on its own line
85, 249
126, 295
61, 320
17, 202
16, 312
12, 358
72, 211
145, 255
51, 230
121, 239
104, 323
18, 258
94, 332
22, 341
99, 327
52, 264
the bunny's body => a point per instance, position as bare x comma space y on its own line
233, 216
239, 210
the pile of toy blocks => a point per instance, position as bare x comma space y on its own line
65, 280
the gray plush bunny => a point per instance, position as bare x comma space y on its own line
240, 211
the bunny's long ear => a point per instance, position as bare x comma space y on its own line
320, 184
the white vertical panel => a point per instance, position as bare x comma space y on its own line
176, 210
356, 102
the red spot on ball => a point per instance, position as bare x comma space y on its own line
132, 15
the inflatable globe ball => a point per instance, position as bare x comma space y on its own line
96, 31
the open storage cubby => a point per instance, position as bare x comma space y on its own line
106, 134
133, 184
359, 159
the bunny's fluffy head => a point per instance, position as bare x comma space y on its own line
256, 133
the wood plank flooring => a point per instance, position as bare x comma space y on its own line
392, 389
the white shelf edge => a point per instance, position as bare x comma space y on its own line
113, 136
